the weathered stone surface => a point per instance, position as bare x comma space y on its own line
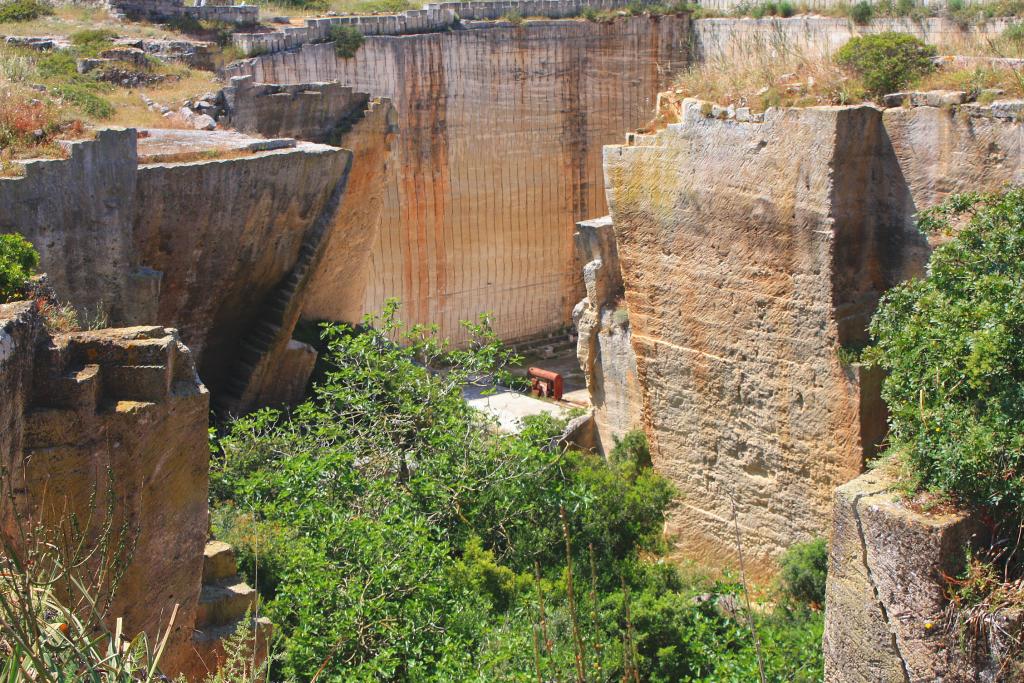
308, 111
78, 213
929, 98
286, 376
205, 245
885, 596
740, 291
248, 219
818, 36
338, 287
498, 155
966, 149
603, 345
128, 401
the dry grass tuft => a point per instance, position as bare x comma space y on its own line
768, 72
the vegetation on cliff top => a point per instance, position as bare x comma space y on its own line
395, 535
886, 62
769, 71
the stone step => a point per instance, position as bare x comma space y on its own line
218, 562
150, 383
262, 627
224, 602
78, 390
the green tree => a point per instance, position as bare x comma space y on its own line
395, 534
18, 263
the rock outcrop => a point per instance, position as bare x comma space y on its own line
603, 346
119, 413
217, 234
741, 293
498, 155
885, 615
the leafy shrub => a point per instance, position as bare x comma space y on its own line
1014, 33
83, 97
347, 40
397, 536
904, 8
514, 17
786, 9
887, 61
56, 64
90, 42
861, 12
804, 568
953, 347
23, 10
18, 263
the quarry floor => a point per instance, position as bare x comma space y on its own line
510, 407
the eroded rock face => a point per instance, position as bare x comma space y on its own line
884, 615
750, 252
308, 111
603, 343
498, 155
248, 219
211, 246
127, 402
78, 213
337, 290
969, 148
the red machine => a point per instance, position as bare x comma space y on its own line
545, 383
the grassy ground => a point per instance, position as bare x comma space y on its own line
764, 74
321, 7
43, 99
68, 19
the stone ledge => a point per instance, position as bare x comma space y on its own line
885, 599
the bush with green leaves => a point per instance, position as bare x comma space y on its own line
18, 263
394, 534
804, 568
90, 42
23, 10
861, 12
347, 40
887, 61
953, 347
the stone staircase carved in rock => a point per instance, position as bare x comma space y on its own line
271, 331
224, 603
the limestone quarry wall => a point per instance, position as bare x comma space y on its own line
604, 346
967, 148
339, 282
126, 402
497, 157
224, 234
78, 213
207, 246
307, 111
739, 292
736, 39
